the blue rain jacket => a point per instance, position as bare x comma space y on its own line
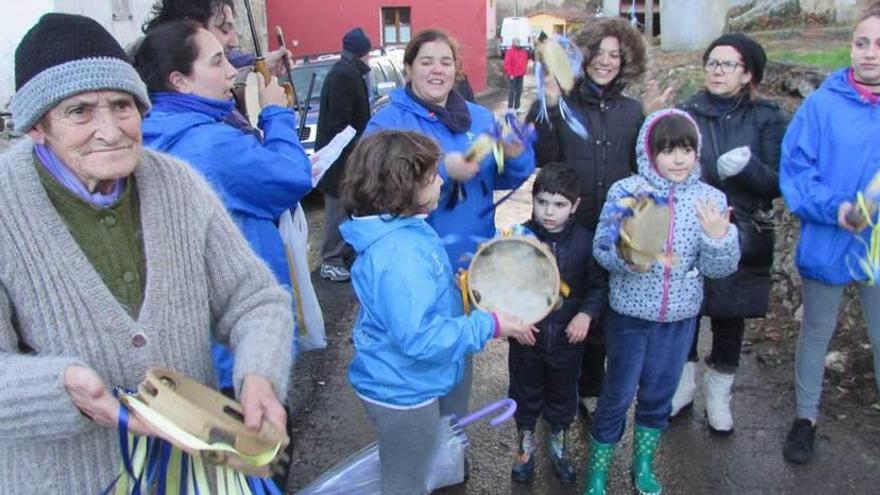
830, 152
257, 181
472, 219
410, 337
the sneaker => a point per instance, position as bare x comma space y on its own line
799, 442
335, 273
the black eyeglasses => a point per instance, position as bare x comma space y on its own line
727, 66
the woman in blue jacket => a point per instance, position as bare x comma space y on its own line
257, 175
428, 105
830, 153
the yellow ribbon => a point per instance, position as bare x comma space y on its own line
463, 288
498, 151
871, 263
190, 441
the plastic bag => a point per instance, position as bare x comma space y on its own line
360, 473
309, 320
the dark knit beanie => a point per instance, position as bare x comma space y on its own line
356, 42
64, 55
752, 53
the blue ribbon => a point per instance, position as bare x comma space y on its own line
158, 460
617, 214
569, 116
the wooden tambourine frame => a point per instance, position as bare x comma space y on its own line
210, 416
519, 279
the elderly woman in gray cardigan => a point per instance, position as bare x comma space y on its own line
113, 259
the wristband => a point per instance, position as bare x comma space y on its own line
497, 333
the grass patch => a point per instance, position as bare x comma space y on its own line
834, 58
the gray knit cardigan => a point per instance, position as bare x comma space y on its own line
55, 312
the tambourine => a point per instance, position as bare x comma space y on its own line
644, 232
557, 63
198, 419
515, 275
246, 89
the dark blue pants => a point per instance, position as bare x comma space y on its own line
514, 92
544, 379
644, 356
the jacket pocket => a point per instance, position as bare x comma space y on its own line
756, 237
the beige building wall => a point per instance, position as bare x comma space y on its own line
550, 24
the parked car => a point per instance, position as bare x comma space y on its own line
386, 76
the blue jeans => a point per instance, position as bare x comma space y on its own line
646, 356
821, 306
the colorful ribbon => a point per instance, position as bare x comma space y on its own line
620, 211
568, 115
153, 463
870, 264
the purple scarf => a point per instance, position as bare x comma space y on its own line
71, 182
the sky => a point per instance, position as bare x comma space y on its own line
18, 17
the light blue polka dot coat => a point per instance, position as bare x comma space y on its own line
666, 293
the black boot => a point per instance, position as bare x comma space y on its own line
557, 444
524, 467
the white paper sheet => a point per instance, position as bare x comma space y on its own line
324, 157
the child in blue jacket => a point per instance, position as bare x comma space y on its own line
544, 377
411, 337
654, 308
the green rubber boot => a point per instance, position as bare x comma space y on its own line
645, 443
601, 455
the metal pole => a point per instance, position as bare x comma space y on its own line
649, 20
516, 8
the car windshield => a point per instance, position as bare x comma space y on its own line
302, 77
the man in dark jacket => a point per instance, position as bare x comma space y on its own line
344, 102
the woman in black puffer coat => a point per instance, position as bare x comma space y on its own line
614, 56
742, 137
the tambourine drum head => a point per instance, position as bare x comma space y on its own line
252, 98
647, 233
514, 275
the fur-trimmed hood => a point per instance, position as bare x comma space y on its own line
631, 44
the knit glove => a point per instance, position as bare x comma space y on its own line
733, 162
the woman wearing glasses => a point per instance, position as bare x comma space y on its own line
742, 136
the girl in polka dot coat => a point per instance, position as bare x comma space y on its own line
654, 309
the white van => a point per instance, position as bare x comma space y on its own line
519, 28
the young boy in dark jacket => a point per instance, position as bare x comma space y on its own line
544, 377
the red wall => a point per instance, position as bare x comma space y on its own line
319, 25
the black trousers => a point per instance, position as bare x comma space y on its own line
544, 380
727, 340
514, 91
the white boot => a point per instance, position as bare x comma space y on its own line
717, 388
687, 385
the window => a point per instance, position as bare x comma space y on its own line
396, 27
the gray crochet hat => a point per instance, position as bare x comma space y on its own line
64, 55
